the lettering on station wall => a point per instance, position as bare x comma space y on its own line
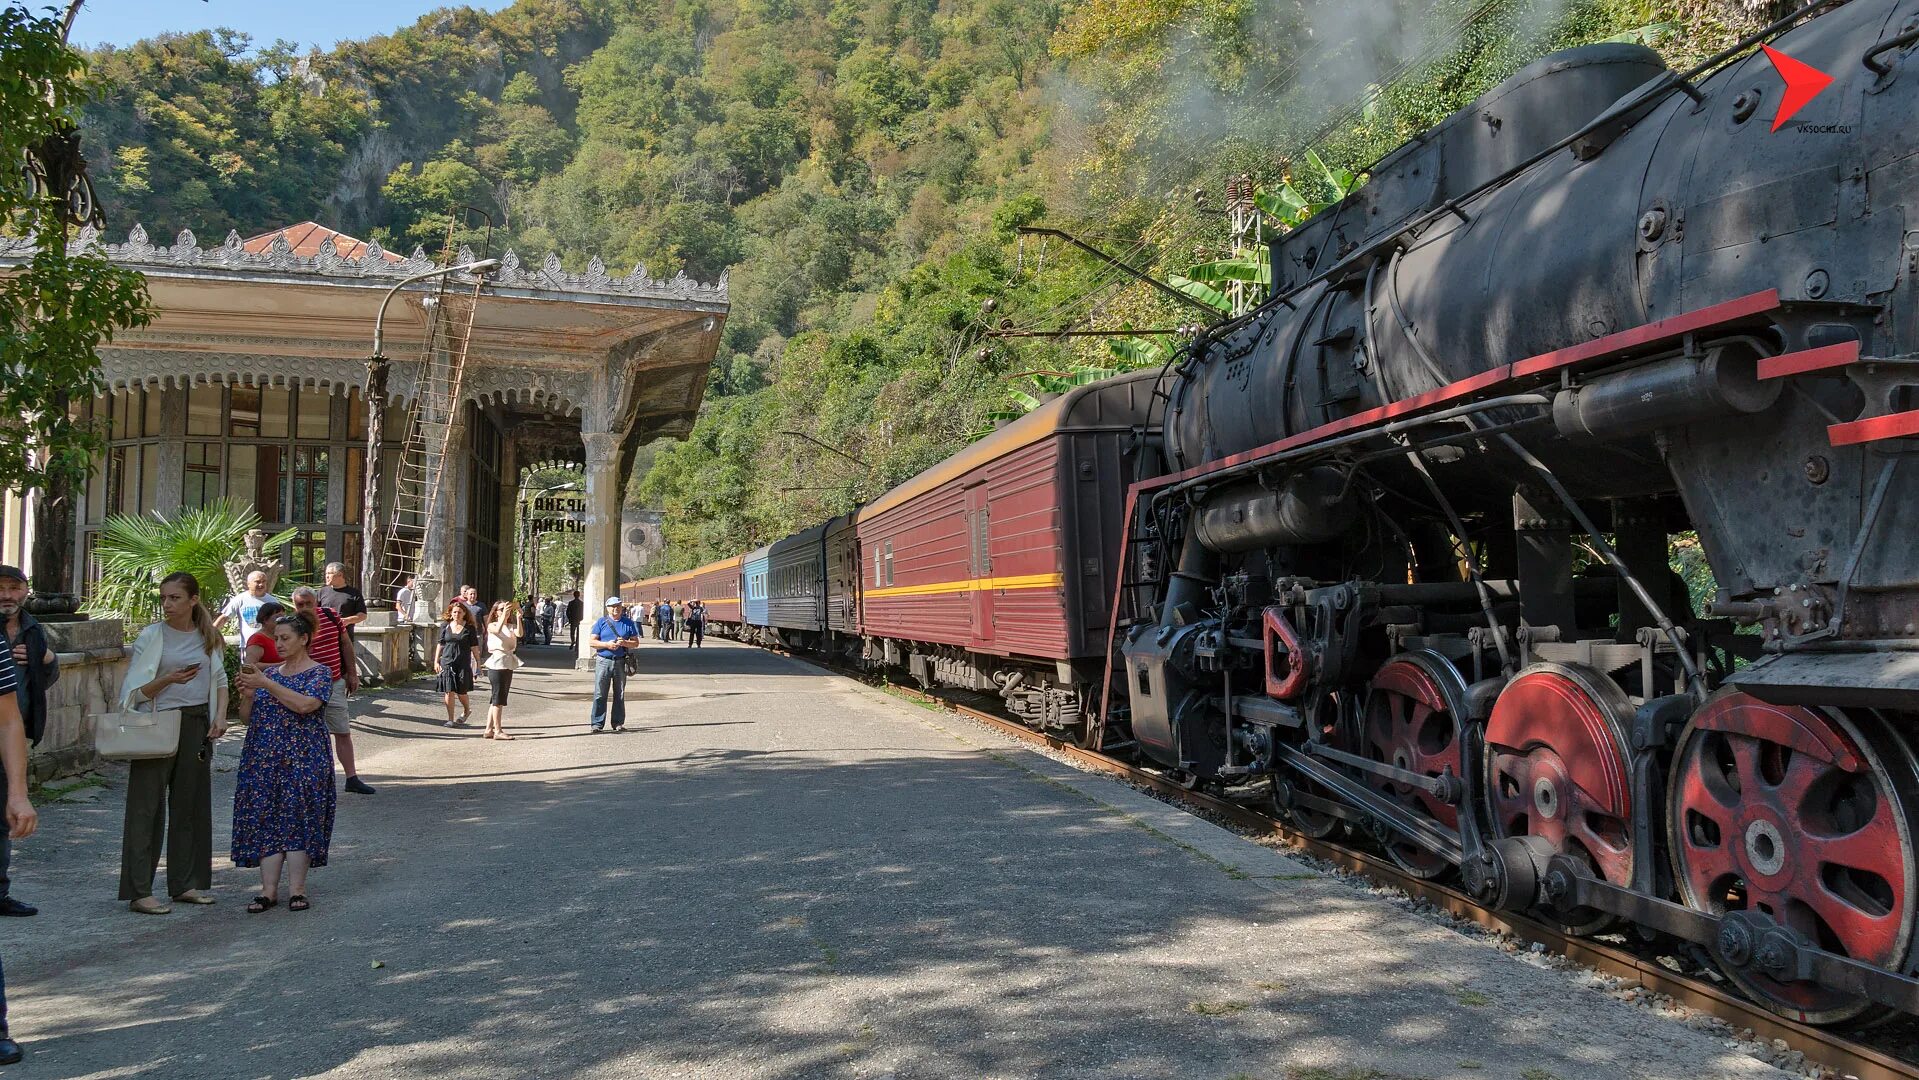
559, 514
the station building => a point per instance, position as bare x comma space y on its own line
251, 383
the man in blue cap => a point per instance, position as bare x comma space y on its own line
610, 639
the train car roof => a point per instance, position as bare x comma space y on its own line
668, 579
804, 536
1117, 401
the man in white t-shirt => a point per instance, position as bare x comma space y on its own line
246, 606
403, 601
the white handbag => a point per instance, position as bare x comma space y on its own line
136, 736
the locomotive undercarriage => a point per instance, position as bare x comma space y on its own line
1505, 700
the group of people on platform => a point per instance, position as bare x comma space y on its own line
297, 671
672, 619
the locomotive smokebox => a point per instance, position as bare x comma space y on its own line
1312, 507
1666, 393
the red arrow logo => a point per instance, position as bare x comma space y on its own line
1803, 83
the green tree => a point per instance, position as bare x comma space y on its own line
60, 306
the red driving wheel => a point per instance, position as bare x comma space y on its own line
1410, 725
1804, 814
1557, 768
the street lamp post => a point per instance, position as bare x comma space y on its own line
373, 529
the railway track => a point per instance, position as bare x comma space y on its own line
1831, 1049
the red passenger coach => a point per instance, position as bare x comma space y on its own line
994, 569
717, 585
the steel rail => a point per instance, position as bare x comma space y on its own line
1819, 1045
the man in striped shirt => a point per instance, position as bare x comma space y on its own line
21, 818
329, 646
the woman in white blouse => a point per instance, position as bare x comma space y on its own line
177, 663
503, 632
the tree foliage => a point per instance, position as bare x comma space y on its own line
859, 169
58, 308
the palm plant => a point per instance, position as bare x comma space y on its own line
136, 550
1282, 209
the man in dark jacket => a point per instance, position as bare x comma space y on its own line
575, 611
38, 669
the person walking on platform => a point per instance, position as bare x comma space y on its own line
575, 611
21, 818
347, 602
177, 663
453, 664
549, 619
503, 629
610, 639
37, 669
695, 624
331, 645
283, 798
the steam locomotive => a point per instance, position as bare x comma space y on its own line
1396, 545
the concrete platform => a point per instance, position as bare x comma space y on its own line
775, 873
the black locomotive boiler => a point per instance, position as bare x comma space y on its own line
1410, 557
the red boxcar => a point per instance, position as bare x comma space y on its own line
993, 570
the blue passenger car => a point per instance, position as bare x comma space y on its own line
754, 583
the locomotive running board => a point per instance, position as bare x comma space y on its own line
1880, 373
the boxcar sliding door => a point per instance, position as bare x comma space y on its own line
979, 563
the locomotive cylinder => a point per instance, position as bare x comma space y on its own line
1663, 394
1312, 507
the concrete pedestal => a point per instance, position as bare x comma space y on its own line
93, 661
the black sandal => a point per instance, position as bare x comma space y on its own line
261, 903
298, 902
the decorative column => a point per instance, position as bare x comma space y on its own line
55, 540
372, 519
602, 540
170, 495
507, 584
439, 563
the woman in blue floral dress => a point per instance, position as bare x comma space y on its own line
283, 801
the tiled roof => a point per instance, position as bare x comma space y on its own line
305, 239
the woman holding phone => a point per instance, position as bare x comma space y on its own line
283, 797
503, 631
177, 663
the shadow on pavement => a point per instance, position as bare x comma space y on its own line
926, 914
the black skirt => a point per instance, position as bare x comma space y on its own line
455, 679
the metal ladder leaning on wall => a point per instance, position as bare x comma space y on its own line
418, 493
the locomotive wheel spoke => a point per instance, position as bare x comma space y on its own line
1410, 726
1817, 833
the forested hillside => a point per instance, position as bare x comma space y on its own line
857, 166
